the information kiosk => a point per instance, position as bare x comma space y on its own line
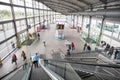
59, 33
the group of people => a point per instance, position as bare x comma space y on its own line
86, 47
109, 50
70, 46
25, 62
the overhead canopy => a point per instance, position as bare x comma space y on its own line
78, 6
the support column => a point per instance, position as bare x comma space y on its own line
26, 19
77, 26
101, 30
33, 14
39, 13
82, 20
73, 21
112, 33
55, 16
77, 21
88, 38
14, 23
47, 18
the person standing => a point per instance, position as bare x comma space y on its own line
35, 60
13, 45
88, 48
38, 36
14, 59
116, 52
67, 43
85, 46
23, 55
111, 51
44, 43
72, 46
68, 52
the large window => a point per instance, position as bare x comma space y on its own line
30, 21
36, 20
18, 2
5, 12
19, 12
2, 36
21, 25
28, 3
29, 12
6, 47
9, 29
36, 12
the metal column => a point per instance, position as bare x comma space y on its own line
88, 37
15, 27
101, 30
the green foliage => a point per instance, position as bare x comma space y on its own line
4, 14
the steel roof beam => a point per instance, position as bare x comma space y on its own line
84, 2
73, 4
61, 5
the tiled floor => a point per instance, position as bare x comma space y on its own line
52, 44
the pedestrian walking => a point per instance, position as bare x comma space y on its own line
38, 36
111, 51
107, 48
23, 55
72, 46
14, 59
68, 52
13, 45
67, 43
116, 52
88, 48
85, 46
35, 60
44, 43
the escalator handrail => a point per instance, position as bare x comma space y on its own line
84, 63
11, 72
29, 72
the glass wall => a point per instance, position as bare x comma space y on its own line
19, 12
5, 12
9, 26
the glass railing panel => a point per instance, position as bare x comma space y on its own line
67, 70
63, 69
19, 74
109, 72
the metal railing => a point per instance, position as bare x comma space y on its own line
66, 69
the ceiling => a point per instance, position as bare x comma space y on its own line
78, 6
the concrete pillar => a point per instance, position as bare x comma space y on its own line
82, 20
73, 21
101, 30
88, 37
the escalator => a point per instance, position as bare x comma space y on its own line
39, 74
30, 73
